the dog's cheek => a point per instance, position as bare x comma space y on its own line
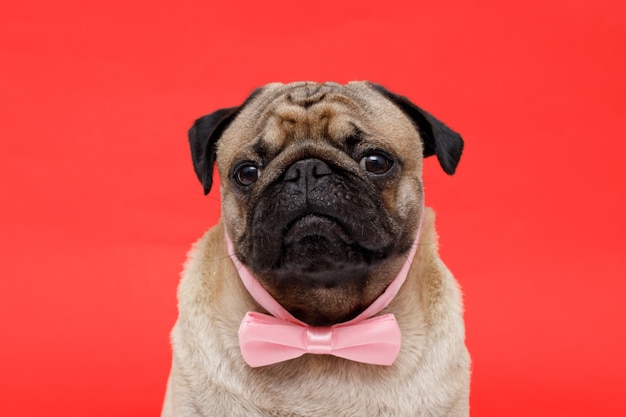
233, 214
409, 201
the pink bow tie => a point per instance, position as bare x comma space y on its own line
265, 339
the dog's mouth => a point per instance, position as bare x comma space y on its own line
319, 250
316, 229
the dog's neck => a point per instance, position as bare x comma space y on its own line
269, 303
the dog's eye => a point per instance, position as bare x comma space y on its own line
376, 164
247, 174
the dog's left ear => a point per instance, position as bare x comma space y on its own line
203, 137
438, 138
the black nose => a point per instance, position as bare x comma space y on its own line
305, 174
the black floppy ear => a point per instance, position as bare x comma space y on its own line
203, 137
438, 138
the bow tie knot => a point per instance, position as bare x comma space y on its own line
319, 340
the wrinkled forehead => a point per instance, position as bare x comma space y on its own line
280, 114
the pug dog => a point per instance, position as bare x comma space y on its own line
320, 292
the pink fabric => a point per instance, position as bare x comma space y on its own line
265, 339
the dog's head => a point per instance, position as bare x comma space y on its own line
321, 188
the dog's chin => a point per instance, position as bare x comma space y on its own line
320, 273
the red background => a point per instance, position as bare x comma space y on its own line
100, 202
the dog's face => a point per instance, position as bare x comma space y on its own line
321, 188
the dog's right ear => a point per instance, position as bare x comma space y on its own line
438, 138
203, 137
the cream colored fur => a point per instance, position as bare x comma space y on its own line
209, 378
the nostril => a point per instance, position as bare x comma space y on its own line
293, 173
320, 169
